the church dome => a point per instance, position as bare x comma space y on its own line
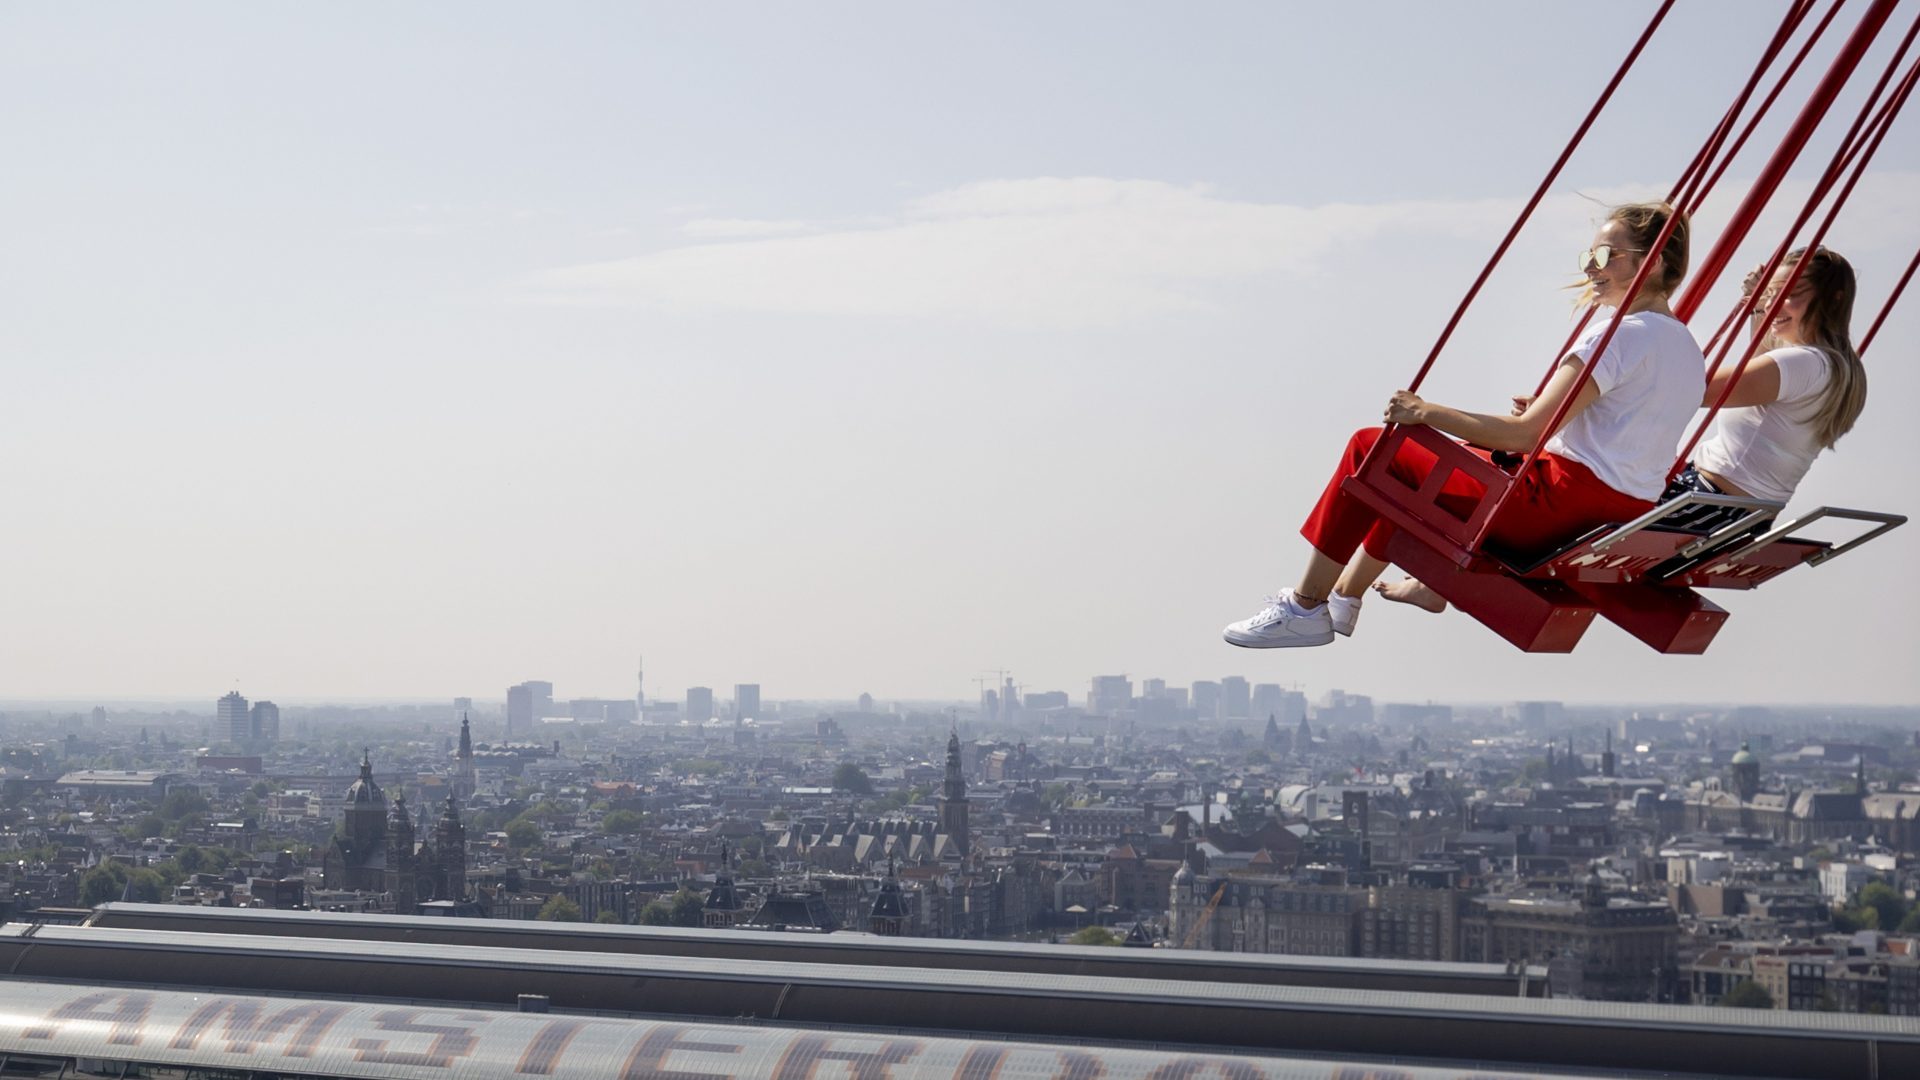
1744, 756
364, 791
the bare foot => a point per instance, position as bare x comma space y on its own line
1410, 591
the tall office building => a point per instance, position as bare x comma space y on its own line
1109, 694
519, 711
542, 699
1268, 700
1234, 698
746, 701
263, 722
1206, 699
231, 717
699, 704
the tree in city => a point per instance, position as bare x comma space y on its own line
522, 834
1888, 905
623, 822
1094, 935
179, 804
656, 913
109, 881
686, 908
851, 778
559, 909
608, 916
1748, 995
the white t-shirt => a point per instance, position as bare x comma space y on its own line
1766, 449
1651, 379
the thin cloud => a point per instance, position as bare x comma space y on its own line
1045, 251
734, 228
1083, 252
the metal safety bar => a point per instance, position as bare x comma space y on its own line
1887, 523
1757, 509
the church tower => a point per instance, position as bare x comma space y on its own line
401, 879
450, 854
463, 774
366, 812
1745, 771
889, 916
953, 798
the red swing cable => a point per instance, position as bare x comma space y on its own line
1540, 192
1689, 180
1850, 145
1887, 308
1766, 104
1783, 157
1856, 150
1744, 306
1775, 170
1858, 135
1786, 76
1691, 189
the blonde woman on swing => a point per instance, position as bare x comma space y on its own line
1795, 400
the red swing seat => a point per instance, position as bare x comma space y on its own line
1640, 575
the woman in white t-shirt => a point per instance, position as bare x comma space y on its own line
1795, 399
1607, 462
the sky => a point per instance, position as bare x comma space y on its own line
359, 351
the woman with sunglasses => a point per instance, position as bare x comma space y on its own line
1795, 399
1607, 462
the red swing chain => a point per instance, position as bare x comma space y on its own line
1687, 192
1540, 192
1764, 185
1856, 150
1886, 308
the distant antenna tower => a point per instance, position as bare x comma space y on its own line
640, 685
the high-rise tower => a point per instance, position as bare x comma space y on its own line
699, 704
263, 721
232, 718
953, 798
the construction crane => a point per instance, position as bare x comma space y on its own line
1193, 932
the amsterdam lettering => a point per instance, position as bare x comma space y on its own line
172, 1027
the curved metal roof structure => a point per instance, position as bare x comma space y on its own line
1253, 1018
1339, 972
97, 1030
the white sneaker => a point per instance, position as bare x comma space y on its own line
1344, 611
1282, 624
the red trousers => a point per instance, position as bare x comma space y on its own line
1558, 500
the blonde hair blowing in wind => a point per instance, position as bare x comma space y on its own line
1825, 326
